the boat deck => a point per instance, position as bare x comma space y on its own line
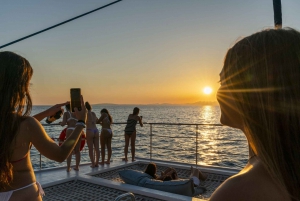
104, 183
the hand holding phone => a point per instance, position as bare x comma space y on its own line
81, 114
75, 94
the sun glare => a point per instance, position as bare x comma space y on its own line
207, 90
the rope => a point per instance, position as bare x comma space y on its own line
56, 25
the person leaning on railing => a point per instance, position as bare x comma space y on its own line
260, 94
18, 131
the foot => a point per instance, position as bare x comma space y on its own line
124, 159
202, 176
76, 169
92, 166
107, 162
192, 171
97, 165
101, 163
68, 169
133, 160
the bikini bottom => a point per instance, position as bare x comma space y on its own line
5, 196
129, 133
94, 130
110, 132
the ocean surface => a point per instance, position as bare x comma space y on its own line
216, 145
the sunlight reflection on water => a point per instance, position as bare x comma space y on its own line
217, 145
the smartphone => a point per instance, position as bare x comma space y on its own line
75, 98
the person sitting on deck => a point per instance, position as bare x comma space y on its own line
19, 131
260, 95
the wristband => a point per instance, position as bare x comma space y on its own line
80, 124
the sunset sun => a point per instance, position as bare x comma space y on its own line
207, 90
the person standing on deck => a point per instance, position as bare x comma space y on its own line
106, 135
92, 136
70, 120
130, 132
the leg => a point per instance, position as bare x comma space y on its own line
96, 145
77, 154
89, 141
109, 150
127, 137
68, 133
133, 137
102, 143
202, 176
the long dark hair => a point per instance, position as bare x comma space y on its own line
151, 170
15, 102
88, 106
136, 110
109, 116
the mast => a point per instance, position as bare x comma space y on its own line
277, 14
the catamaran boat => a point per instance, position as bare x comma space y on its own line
107, 182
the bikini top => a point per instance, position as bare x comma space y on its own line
20, 159
71, 117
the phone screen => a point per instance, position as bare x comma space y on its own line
75, 98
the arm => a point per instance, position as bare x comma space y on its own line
100, 119
51, 111
140, 121
46, 146
96, 118
64, 122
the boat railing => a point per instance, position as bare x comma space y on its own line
193, 148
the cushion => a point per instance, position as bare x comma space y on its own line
133, 177
180, 186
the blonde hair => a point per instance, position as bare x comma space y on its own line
262, 72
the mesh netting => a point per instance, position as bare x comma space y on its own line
210, 184
80, 190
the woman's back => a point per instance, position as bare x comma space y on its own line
91, 120
131, 123
23, 174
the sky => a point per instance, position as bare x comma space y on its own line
135, 51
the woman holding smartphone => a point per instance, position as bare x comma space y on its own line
130, 132
19, 131
70, 120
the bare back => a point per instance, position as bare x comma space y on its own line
91, 120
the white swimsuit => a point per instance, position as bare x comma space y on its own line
70, 128
5, 196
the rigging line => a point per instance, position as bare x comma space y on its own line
56, 25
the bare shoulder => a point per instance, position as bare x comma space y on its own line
29, 122
30, 125
229, 189
254, 184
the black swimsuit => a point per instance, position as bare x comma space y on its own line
130, 126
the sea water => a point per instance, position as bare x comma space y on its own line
216, 145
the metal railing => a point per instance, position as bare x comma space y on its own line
151, 135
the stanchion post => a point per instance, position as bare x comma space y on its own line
150, 142
196, 145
